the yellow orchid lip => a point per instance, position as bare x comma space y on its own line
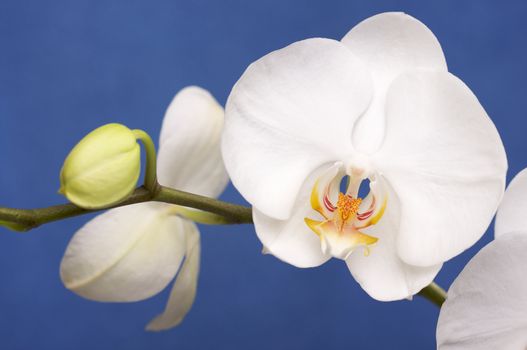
342, 218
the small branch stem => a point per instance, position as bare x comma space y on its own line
434, 293
200, 216
236, 214
151, 163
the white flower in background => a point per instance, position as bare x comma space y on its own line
132, 253
379, 106
486, 306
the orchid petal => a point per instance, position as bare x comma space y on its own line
446, 162
486, 306
511, 214
189, 156
125, 254
292, 111
390, 43
379, 270
394, 42
184, 290
292, 240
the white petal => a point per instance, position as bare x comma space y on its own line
446, 162
486, 306
394, 42
382, 274
292, 240
390, 43
184, 289
189, 157
126, 254
292, 111
511, 214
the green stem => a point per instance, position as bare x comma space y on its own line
200, 216
27, 219
233, 213
434, 293
151, 164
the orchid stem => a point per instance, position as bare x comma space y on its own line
434, 293
27, 219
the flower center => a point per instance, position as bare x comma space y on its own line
347, 208
344, 214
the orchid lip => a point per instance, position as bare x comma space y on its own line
343, 214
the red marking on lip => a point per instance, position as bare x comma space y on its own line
327, 204
365, 215
369, 212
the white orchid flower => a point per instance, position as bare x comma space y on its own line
132, 253
379, 106
486, 306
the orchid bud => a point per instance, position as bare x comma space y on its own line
103, 168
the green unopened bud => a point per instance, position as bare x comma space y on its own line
103, 168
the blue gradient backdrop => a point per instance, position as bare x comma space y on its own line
67, 67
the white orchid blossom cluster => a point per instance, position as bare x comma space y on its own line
365, 149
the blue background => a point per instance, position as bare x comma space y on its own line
67, 67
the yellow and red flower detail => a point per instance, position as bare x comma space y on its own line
342, 218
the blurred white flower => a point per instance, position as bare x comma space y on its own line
512, 213
486, 306
377, 106
132, 253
